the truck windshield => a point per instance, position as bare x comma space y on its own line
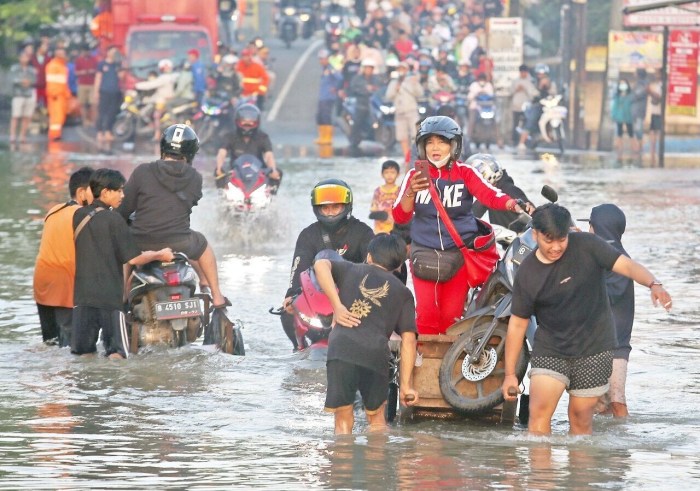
146, 48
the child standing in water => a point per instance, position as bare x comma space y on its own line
384, 198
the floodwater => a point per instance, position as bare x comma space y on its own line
196, 419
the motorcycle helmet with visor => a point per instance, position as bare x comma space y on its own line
247, 119
486, 165
331, 192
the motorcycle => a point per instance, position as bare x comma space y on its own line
163, 309
485, 130
383, 121
550, 124
246, 189
136, 115
307, 19
288, 25
477, 354
215, 115
336, 23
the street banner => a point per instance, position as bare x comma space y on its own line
505, 48
629, 50
683, 72
687, 15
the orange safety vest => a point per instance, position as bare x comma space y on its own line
254, 78
57, 78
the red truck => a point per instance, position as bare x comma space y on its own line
147, 31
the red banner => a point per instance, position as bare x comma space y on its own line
683, 72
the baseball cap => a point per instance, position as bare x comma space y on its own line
193, 52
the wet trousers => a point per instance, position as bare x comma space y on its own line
438, 305
58, 108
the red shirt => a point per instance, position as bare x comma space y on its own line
85, 69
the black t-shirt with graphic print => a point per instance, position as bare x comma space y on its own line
569, 298
384, 305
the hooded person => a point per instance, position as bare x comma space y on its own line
161, 195
608, 222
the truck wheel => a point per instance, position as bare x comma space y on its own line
474, 388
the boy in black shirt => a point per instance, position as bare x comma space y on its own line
103, 244
368, 306
563, 284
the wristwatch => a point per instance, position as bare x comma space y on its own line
655, 282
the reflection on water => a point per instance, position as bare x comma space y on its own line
196, 418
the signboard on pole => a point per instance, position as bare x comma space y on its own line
629, 50
505, 48
683, 72
687, 15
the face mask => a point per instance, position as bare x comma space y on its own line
439, 163
623, 87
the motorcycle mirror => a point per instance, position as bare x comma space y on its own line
549, 193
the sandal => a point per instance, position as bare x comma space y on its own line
227, 303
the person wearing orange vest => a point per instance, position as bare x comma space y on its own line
57, 93
254, 77
54, 272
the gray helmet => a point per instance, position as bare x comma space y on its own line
179, 140
486, 165
441, 126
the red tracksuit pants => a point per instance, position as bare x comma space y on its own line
439, 305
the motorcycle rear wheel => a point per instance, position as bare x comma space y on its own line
124, 127
205, 130
484, 392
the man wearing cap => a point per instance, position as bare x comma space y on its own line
362, 86
521, 91
331, 82
404, 91
199, 74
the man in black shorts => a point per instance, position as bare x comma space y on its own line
369, 305
563, 284
103, 245
161, 196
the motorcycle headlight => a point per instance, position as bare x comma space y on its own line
128, 99
312, 321
211, 110
387, 109
289, 11
304, 17
334, 19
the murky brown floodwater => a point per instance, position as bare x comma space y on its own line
194, 419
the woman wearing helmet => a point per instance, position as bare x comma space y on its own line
248, 138
439, 141
334, 229
161, 196
493, 173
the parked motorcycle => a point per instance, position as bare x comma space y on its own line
246, 189
477, 356
485, 130
136, 115
163, 308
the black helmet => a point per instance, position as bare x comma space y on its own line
247, 119
442, 126
179, 140
329, 192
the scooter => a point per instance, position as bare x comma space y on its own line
383, 121
477, 354
550, 124
215, 115
246, 188
288, 25
485, 128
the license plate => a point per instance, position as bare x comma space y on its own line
178, 309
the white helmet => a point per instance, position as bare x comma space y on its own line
229, 59
368, 62
486, 165
164, 63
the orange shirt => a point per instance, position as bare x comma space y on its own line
254, 77
54, 272
57, 78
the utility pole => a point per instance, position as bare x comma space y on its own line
578, 11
